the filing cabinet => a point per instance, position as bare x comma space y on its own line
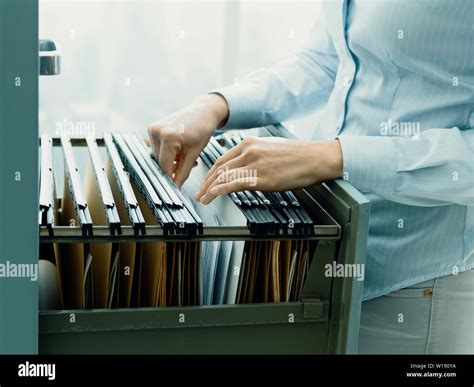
323, 320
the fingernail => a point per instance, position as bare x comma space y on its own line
213, 190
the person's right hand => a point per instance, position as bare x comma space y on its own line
178, 139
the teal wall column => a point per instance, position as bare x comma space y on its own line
18, 176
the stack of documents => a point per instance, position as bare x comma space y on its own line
273, 271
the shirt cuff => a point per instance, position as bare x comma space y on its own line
245, 107
369, 163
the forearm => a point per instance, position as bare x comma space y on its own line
295, 85
289, 88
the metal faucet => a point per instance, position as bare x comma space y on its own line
49, 58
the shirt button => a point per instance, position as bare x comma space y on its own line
347, 80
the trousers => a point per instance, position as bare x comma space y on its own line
433, 317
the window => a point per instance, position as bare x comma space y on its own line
128, 63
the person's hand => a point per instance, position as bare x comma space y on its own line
272, 164
178, 139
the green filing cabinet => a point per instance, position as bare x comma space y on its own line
325, 320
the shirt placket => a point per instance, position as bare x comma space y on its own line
347, 67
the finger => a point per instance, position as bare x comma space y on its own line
155, 147
167, 156
234, 185
211, 177
229, 155
239, 174
183, 169
155, 150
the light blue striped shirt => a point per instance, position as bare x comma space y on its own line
395, 80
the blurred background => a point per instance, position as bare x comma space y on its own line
128, 63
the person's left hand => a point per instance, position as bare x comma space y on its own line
272, 164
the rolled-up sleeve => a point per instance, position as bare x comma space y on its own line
293, 86
369, 163
244, 104
434, 168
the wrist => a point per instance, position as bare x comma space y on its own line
335, 159
327, 161
216, 105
